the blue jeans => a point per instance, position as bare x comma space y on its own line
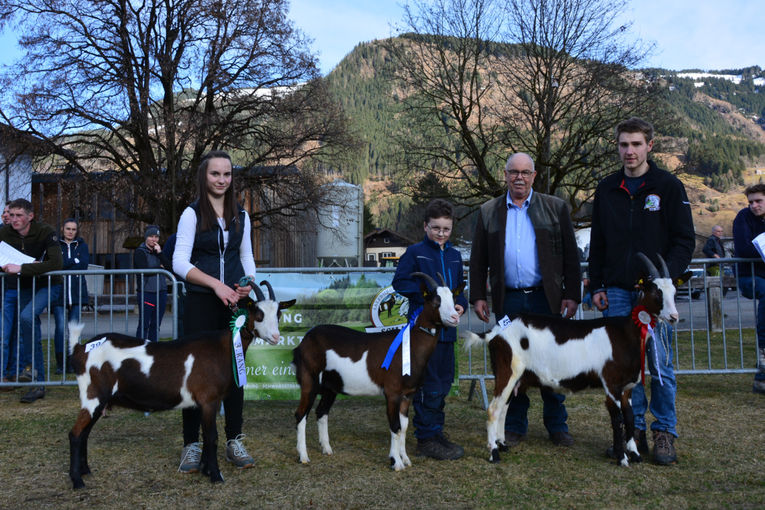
620, 303
30, 326
430, 398
9, 339
554, 414
745, 284
151, 311
63, 318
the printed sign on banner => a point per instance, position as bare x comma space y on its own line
347, 299
357, 300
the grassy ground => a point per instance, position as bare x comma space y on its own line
134, 459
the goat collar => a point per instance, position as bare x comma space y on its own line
431, 331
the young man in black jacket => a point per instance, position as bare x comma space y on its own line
641, 208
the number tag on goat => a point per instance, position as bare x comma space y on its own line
504, 322
92, 345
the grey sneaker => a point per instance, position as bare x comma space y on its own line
439, 447
191, 456
32, 395
236, 453
758, 386
664, 448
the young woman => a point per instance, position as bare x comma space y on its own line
75, 292
212, 252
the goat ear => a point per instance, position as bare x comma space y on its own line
683, 278
286, 304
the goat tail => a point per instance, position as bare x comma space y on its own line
471, 339
75, 330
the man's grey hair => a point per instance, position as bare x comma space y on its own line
510, 159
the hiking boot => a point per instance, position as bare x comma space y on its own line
640, 440
439, 448
191, 456
27, 375
32, 395
562, 439
664, 448
758, 386
513, 439
236, 453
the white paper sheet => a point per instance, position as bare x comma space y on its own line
10, 255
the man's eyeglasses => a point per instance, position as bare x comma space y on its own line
443, 231
515, 173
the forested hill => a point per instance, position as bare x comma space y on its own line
710, 125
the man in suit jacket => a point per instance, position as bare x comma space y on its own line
524, 242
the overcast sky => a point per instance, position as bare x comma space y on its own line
703, 34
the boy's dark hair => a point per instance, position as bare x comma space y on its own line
21, 203
755, 188
635, 125
438, 208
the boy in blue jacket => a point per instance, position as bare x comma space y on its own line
433, 255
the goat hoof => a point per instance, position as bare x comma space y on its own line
78, 484
216, 478
502, 446
494, 456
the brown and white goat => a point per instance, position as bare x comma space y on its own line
569, 355
334, 359
115, 369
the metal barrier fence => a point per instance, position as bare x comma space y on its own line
111, 306
716, 332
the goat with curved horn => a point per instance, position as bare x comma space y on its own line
664, 267
652, 271
258, 292
432, 285
270, 290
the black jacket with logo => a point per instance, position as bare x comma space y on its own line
657, 219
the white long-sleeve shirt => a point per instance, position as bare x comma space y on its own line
184, 244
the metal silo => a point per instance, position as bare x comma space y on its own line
340, 233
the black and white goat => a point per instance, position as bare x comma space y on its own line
115, 369
334, 359
570, 355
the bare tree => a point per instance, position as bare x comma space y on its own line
144, 88
490, 77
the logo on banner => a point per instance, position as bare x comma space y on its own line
389, 309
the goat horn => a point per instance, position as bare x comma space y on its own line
654, 273
271, 294
443, 282
664, 266
258, 292
429, 279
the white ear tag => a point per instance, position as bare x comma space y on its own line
504, 322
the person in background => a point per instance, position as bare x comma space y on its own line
152, 288
6, 215
433, 255
75, 290
214, 232
748, 224
641, 208
40, 242
524, 241
713, 249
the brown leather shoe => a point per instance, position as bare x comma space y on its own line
562, 439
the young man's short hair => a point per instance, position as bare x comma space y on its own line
635, 125
755, 188
438, 208
21, 203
